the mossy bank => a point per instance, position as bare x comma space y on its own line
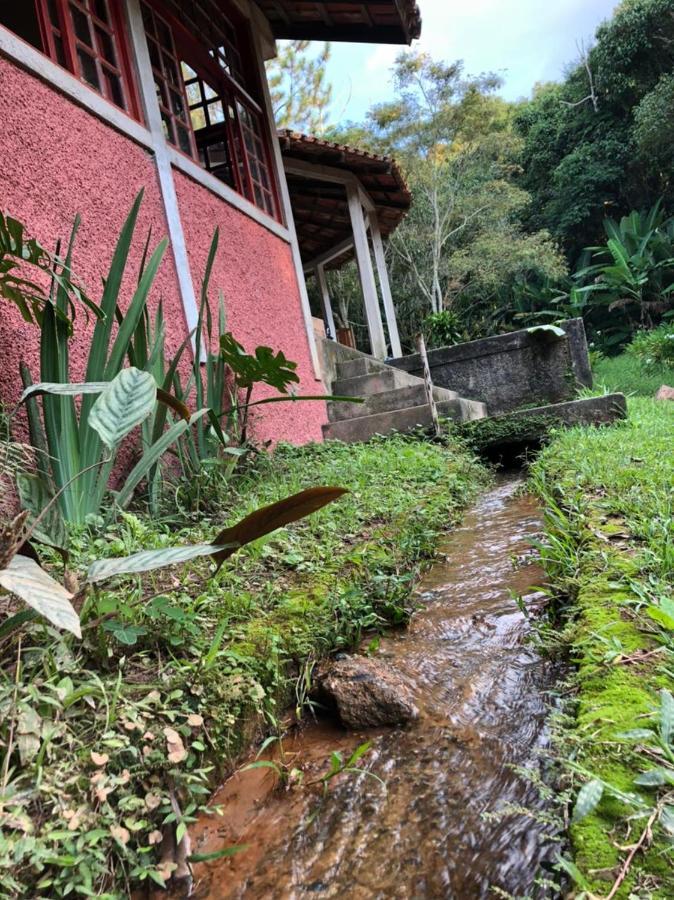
176, 673
609, 495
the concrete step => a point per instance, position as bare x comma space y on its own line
387, 401
364, 385
352, 368
362, 428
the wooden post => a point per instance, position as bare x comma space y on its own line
326, 305
366, 273
382, 272
428, 384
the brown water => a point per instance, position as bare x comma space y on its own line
481, 689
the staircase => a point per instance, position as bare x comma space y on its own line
394, 400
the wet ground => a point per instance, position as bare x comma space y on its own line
441, 828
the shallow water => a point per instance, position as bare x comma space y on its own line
482, 694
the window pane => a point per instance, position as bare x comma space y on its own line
21, 18
101, 10
166, 127
198, 117
105, 46
177, 105
216, 113
60, 51
184, 140
81, 25
193, 93
88, 69
114, 88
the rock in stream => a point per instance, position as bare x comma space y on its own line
366, 693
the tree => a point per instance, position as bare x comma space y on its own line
300, 92
581, 160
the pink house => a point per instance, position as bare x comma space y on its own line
100, 98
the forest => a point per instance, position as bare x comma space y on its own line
524, 212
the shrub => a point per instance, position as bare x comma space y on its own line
654, 348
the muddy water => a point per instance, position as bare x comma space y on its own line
441, 828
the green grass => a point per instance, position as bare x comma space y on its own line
609, 495
217, 659
628, 374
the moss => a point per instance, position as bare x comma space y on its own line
608, 493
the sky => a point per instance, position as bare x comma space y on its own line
524, 41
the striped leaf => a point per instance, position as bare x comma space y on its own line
588, 797
147, 560
27, 580
65, 390
126, 402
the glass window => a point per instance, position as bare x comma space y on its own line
83, 36
207, 104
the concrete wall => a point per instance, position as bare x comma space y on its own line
511, 370
60, 159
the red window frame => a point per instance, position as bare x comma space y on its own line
245, 128
107, 52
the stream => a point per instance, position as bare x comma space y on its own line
443, 827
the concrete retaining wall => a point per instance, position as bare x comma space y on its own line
511, 370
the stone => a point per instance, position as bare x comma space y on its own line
508, 371
367, 693
665, 393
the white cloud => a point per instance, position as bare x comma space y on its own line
524, 41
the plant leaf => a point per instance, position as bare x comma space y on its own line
126, 402
176, 405
587, 800
276, 515
65, 390
666, 716
217, 854
147, 560
34, 586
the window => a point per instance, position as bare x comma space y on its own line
206, 92
84, 36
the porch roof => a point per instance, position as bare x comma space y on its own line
320, 207
372, 21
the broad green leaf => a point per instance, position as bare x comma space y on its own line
126, 402
34, 586
147, 560
659, 615
588, 797
655, 778
125, 633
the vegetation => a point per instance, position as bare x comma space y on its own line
172, 675
608, 554
300, 92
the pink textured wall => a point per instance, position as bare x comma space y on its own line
255, 272
61, 160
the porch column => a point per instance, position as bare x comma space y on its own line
382, 272
326, 305
366, 273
